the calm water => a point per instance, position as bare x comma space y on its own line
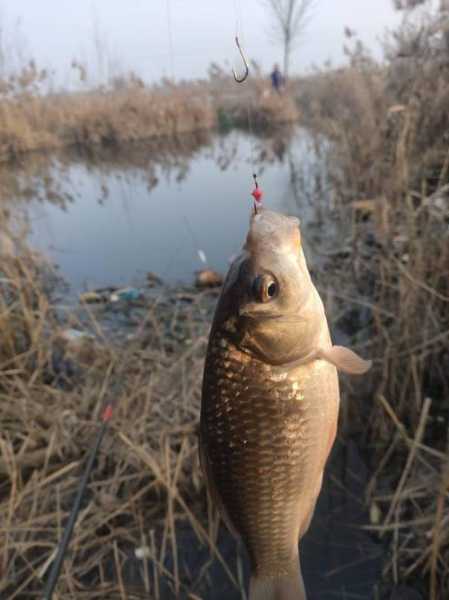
111, 219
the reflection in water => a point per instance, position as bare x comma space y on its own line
111, 217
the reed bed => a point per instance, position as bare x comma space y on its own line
147, 475
252, 105
127, 110
107, 117
388, 165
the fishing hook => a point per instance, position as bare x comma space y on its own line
245, 62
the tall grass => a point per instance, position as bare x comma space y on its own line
128, 110
147, 475
388, 125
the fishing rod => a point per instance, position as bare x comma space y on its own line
62, 550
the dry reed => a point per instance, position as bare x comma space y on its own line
147, 475
389, 167
127, 110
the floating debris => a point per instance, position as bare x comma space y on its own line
74, 337
153, 279
202, 256
208, 278
93, 297
128, 294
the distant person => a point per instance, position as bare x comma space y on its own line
277, 81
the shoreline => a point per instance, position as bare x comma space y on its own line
134, 112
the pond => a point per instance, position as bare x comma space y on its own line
112, 217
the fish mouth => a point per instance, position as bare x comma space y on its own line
261, 315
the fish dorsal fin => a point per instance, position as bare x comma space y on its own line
345, 360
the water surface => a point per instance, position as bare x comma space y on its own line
109, 219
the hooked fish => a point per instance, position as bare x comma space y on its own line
270, 402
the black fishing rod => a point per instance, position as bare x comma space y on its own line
59, 559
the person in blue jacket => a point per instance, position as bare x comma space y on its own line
277, 81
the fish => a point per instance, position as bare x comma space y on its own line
270, 401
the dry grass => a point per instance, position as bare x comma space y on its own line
251, 105
127, 110
389, 167
147, 474
103, 117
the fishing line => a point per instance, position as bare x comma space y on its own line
257, 192
238, 16
170, 40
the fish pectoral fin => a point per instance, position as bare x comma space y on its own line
345, 360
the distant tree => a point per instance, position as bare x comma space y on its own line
290, 18
407, 4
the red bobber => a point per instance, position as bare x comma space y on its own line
257, 194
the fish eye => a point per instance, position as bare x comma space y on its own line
265, 288
272, 289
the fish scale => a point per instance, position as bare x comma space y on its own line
263, 444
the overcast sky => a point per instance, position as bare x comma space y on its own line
134, 34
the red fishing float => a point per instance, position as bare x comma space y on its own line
256, 193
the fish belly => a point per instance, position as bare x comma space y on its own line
265, 437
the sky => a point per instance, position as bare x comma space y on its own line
177, 38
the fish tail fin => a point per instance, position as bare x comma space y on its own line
285, 587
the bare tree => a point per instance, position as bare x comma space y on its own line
407, 4
289, 19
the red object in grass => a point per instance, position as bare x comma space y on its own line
107, 414
257, 194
